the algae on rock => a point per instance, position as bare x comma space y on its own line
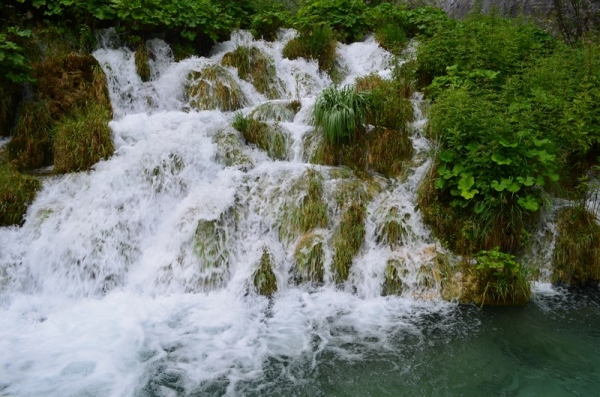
214, 88
256, 68
265, 281
230, 150
212, 250
141, 62
17, 191
392, 284
348, 239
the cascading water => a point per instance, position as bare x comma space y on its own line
136, 278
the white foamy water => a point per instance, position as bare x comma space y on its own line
136, 278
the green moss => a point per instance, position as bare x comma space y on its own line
31, 146
576, 258
392, 230
141, 62
17, 191
82, 139
10, 95
230, 150
347, 240
309, 256
309, 211
211, 249
265, 281
256, 68
392, 284
317, 44
266, 137
214, 88
276, 111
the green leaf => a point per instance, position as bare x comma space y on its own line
464, 185
499, 159
529, 203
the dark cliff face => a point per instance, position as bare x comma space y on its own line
540, 8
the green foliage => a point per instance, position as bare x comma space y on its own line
576, 256
266, 24
501, 279
481, 42
14, 67
10, 96
347, 18
317, 43
265, 281
425, 21
82, 139
341, 113
268, 138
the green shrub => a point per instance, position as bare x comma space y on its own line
576, 257
501, 280
82, 139
266, 24
14, 67
316, 43
481, 42
347, 18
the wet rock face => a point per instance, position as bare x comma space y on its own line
459, 8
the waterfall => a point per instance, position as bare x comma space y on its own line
136, 278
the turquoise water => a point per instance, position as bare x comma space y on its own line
550, 347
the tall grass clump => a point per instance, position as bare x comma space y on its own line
347, 240
341, 113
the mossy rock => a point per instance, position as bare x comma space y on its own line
308, 211
10, 96
214, 88
348, 239
309, 256
230, 150
69, 82
265, 281
392, 230
141, 62
267, 137
576, 258
212, 249
82, 139
392, 284
17, 191
276, 111
256, 68
70, 87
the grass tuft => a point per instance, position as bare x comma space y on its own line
17, 191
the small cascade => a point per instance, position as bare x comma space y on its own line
179, 231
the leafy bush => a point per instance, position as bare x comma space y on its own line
13, 64
347, 18
501, 279
483, 42
266, 24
